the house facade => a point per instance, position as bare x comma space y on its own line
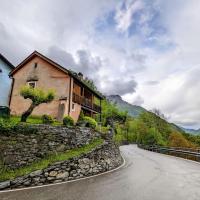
5, 81
72, 94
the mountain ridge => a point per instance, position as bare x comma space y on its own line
133, 110
192, 131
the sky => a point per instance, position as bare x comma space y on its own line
146, 51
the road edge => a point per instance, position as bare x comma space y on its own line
65, 182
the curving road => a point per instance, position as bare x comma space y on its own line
145, 176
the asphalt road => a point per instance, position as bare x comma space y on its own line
145, 176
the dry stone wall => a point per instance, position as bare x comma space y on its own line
103, 158
27, 145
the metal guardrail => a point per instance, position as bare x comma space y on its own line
188, 153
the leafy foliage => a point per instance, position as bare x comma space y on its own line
111, 114
6, 126
177, 139
90, 122
47, 119
68, 121
37, 96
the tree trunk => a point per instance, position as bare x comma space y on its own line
27, 113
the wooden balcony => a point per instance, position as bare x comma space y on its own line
86, 102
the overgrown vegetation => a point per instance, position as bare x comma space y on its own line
6, 174
150, 129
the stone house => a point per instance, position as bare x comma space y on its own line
72, 94
5, 81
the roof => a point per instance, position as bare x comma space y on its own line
7, 61
35, 53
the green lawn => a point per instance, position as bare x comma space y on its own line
44, 163
32, 120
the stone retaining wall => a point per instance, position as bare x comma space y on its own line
23, 147
103, 158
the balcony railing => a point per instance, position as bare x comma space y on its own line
85, 102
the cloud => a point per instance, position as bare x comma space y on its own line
151, 82
118, 86
146, 51
90, 65
124, 14
138, 101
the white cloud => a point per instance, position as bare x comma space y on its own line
124, 17
157, 65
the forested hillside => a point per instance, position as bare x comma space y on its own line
148, 128
133, 110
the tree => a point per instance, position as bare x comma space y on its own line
178, 140
90, 83
37, 96
157, 112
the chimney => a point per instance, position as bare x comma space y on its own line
80, 75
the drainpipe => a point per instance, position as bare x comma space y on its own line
11, 91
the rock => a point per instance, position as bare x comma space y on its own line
62, 175
82, 166
86, 160
46, 174
19, 180
35, 173
27, 183
4, 184
36, 179
108, 161
53, 173
61, 148
51, 178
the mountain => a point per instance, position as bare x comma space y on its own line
133, 110
192, 131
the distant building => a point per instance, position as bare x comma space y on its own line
72, 94
5, 81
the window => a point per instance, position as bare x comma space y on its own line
32, 84
81, 91
73, 107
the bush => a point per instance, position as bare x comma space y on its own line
68, 121
90, 122
6, 126
47, 119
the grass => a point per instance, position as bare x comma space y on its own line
44, 163
32, 120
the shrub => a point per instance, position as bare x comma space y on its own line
6, 126
90, 122
47, 119
68, 121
